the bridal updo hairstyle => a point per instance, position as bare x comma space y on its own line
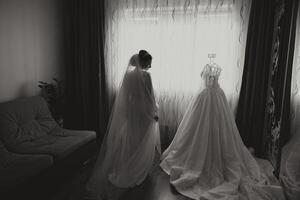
145, 58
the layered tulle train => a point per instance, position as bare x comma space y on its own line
207, 158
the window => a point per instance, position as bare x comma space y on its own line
179, 38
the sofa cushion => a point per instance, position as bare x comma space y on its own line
25, 119
58, 144
16, 168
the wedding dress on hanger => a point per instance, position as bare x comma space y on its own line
207, 158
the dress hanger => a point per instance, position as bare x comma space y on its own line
213, 66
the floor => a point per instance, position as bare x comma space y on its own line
155, 187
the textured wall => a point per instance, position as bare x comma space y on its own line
30, 45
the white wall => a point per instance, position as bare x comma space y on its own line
30, 46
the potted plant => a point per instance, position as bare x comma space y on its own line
54, 94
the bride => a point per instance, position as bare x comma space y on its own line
130, 144
207, 158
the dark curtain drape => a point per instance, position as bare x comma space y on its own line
250, 114
264, 104
84, 67
286, 59
277, 131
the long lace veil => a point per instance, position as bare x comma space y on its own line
127, 140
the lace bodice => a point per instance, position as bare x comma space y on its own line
210, 75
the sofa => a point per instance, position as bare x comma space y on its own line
32, 143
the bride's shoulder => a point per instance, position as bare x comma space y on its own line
146, 73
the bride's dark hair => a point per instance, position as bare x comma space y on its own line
144, 56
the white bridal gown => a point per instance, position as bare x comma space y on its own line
290, 168
128, 151
207, 158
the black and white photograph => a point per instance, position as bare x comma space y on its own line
149, 100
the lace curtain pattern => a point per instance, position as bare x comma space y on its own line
179, 34
282, 91
273, 110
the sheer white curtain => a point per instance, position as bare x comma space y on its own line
295, 94
179, 34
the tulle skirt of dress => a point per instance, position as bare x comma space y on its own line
126, 163
207, 158
290, 168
